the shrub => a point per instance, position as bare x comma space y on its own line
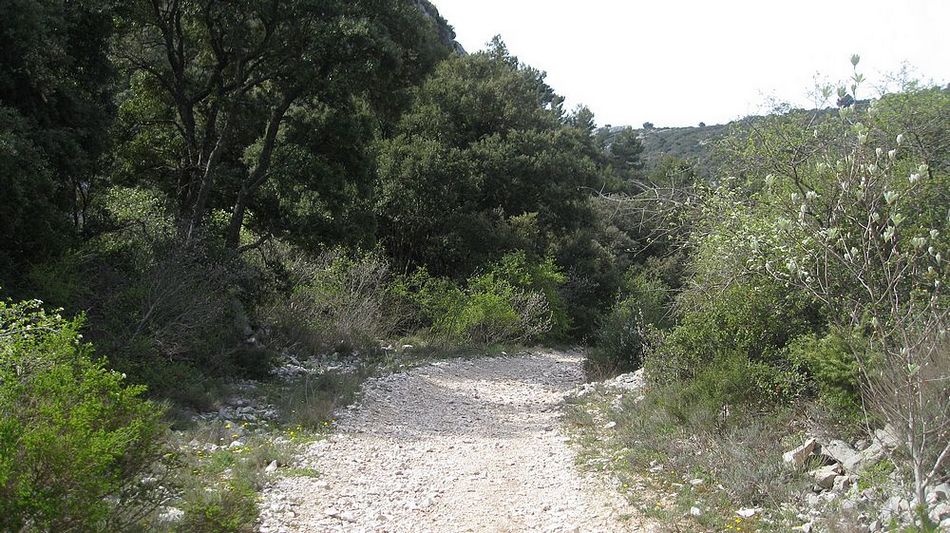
624, 333
620, 341
830, 362
431, 299
339, 301
754, 322
513, 300
151, 304
541, 277
74, 438
311, 400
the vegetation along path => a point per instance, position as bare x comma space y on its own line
460, 445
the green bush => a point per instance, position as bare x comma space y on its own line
151, 304
620, 341
544, 277
708, 398
632, 325
754, 322
830, 362
74, 438
339, 301
232, 509
513, 300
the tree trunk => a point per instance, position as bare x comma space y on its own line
259, 174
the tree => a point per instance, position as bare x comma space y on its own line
485, 141
623, 154
218, 89
55, 91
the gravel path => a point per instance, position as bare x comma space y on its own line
460, 445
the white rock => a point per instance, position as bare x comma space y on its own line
869, 457
747, 512
842, 452
825, 476
843, 483
694, 511
939, 493
799, 455
940, 512
887, 437
272, 467
171, 515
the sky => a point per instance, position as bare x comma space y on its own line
681, 62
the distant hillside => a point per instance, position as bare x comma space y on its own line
696, 144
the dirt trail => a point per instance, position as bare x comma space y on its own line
461, 445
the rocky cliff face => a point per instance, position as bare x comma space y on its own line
446, 32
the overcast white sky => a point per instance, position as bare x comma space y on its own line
679, 62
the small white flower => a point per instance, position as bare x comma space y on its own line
892, 154
811, 195
900, 139
890, 197
879, 152
934, 233
914, 178
888, 233
795, 197
918, 242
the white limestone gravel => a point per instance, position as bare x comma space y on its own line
459, 445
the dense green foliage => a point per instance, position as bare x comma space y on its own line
55, 111
196, 178
483, 162
71, 432
814, 274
